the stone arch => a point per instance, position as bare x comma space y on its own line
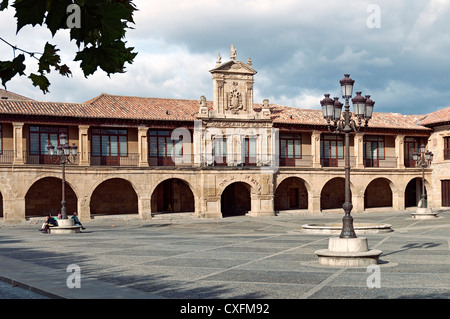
291, 193
332, 195
172, 195
379, 193
413, 191
114, 196
235, 199
45, 195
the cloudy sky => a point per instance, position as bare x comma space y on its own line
396, 51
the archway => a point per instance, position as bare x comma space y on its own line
413, 192
45, 195
333, 194
235, 199
291, 194
378, 194
114, 196
172, 196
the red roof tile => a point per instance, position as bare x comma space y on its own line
439, 117
162, 109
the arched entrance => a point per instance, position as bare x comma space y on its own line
413, 192
291, 194
45, 195
235, 199
378, 194
333, 194
114, 197
172, 196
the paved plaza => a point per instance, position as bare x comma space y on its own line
185, 257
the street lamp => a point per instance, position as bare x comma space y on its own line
332, 110
423, 159
64, 154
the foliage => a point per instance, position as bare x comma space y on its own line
99, 37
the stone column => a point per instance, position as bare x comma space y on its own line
143, 146
315, 149
314, 203
13, 211
359, 150
358, 203
144, 208
83, 145
18, 143
83, 209
398, 200
400, 150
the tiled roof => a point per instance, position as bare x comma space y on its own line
162, 109
282, 114
435, 118
8, 95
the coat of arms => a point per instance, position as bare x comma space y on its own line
235, 101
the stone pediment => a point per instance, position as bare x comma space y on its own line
234, 67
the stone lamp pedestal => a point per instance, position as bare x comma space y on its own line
65, 226
348, 252
424, 213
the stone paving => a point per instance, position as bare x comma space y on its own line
230, 258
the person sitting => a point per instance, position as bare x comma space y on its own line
76, 221
50, 222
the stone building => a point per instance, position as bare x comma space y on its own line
228, 156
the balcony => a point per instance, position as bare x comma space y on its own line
6, 157
304, 161
386, 162
44, 159
337, 162
131, 160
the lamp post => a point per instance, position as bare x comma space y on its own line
65, 154
332, 111
423, 159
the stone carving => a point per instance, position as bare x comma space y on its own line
234, 103
233, 53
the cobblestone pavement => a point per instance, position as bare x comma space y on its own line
239, 258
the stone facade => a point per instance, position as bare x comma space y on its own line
230, 162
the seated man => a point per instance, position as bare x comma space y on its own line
50, 222
76, 220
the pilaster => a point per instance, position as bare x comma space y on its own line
18, 143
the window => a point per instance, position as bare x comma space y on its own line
42, 136
250, 151
412, 144
373, 150
331, 150
290, 149
161, 147
109, 142
447, 147
220, 151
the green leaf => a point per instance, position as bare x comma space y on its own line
29, 12
56, 16
3, 5
41, 81
9, 69
49, 58
110, 58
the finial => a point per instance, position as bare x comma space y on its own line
249, 61
219, 60
233, 53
